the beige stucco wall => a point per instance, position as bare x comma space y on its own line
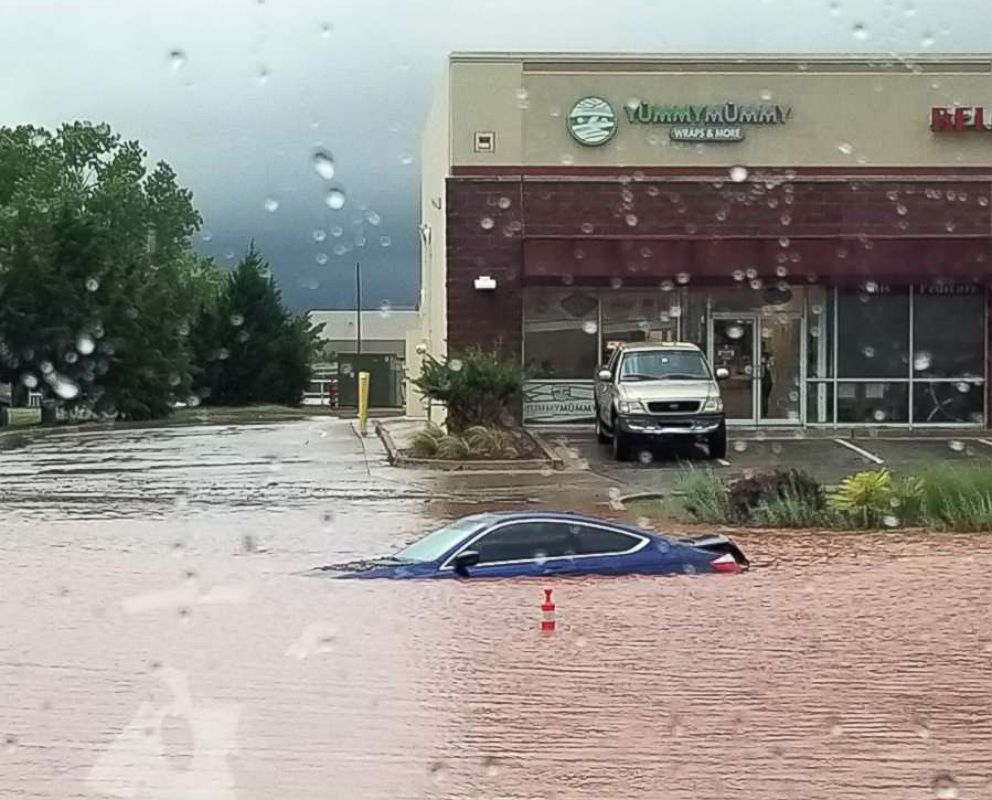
844, 113
435, 160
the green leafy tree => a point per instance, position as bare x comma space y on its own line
98, 280
249, 348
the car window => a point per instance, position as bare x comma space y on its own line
663, 365
525, 540
435, 544
591, 541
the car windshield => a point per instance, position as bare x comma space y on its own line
434, 545
660, 365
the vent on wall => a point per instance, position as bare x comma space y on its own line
485, 142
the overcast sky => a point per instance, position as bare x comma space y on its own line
237, 94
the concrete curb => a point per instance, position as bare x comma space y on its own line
397, 459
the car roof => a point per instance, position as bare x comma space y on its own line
633, 346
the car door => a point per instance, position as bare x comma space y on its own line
525, 547
606, 551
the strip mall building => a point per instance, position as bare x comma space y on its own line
819, 226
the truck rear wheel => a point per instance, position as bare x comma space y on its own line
621, 443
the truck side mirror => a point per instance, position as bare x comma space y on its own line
604, 375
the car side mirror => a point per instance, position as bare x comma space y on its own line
464, 560
604, 375
722, 373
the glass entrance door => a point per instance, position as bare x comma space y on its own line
763, 355
779, 382
732, 343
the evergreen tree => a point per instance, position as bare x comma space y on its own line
249, 348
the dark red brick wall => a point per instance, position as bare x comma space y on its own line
550, 230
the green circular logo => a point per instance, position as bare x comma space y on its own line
592, 121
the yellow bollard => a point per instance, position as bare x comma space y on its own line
363, 402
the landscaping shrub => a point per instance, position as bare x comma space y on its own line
476, 386
865, 497
958, 498
491, 442
704, 496
425, 443
792, 511
767, 487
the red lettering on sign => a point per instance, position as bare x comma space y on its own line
959, 119
939, 119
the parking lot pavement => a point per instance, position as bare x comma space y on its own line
827, 458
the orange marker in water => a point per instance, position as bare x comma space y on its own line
547, 614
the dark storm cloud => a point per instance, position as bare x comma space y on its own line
237, 94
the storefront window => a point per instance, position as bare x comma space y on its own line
819, 333
957, 402
641, 316
873, 334
561, 333
873, 403
819, 402
948, 335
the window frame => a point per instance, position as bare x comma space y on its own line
640, 544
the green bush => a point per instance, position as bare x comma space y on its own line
768, 487
476, 386
476, 442
865, 497
704, 496
958, 498
453, 447
793, 510
491, 442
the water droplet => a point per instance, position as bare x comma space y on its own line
321, 258
29, 380
590, 327
385, 309
64, 387
323, 164
781, 271
983, 201
92, 284
319, 235
645, 457
879, 415
237, 320
486, 223
9, 743
834, 7
927, 40
385, 241
177, 59
859, 31
871, 287
455, 365
325, 29
667, 286
587, 227
890, 521
335, 199
956, 445
682, 278
738, 275
945, 787
756, 284
271, 204
734, 332
206, 236
631, 220
406, 159
340, 249
263, 76
869, 351
765, 94
846, 148
922, 361
738, 173
372, 218
85, 344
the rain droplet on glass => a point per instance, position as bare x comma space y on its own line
323, 164
738, 173
334, 199
92, 284
271, 204
487, 223
590, 327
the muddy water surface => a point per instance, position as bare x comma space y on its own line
158, 643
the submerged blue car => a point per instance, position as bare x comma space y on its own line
535, 544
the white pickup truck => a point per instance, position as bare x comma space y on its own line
659, 391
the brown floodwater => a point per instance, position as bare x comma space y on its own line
174, 652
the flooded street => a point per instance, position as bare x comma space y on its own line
158, 642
